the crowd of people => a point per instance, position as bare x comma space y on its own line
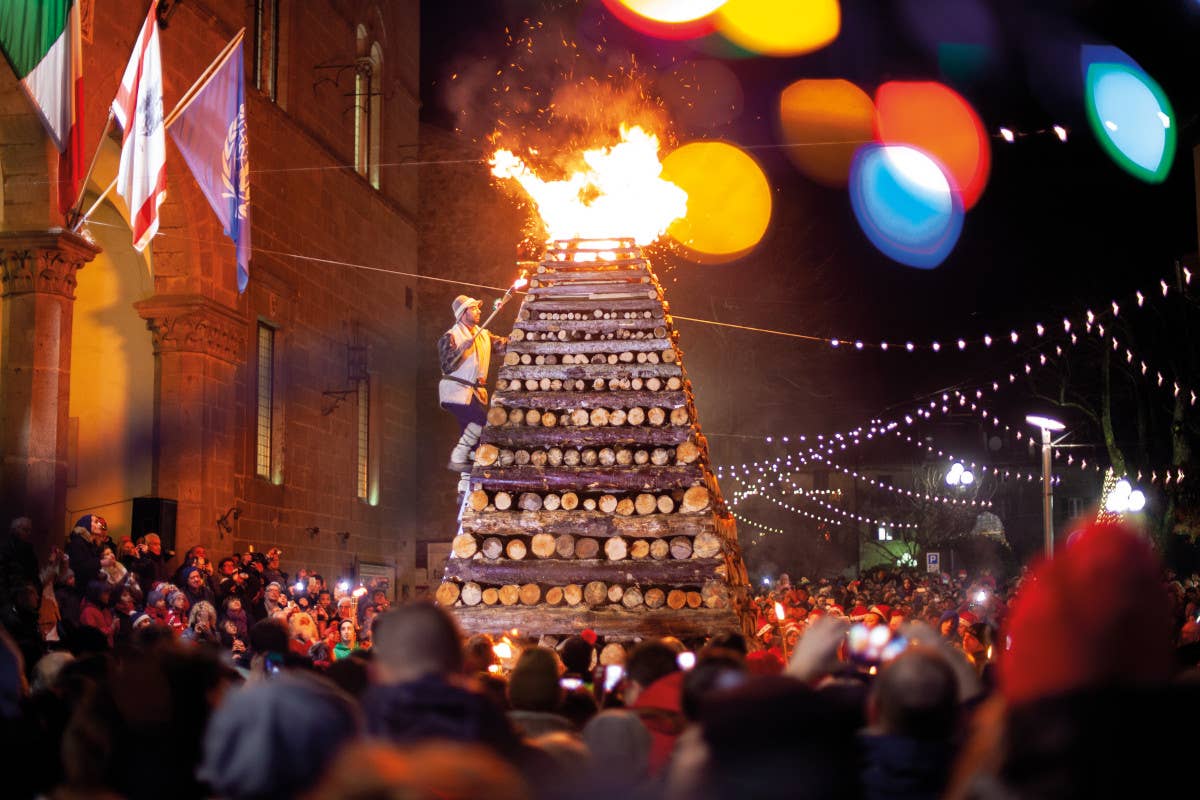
123, 678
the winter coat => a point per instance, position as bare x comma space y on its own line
84, 559
433, 708
99, 618
900, 768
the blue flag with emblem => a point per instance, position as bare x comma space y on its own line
210, 132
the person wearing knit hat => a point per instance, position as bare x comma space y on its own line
465, 352
274, 738
876, 613
858, 613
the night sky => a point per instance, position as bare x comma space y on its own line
1059, 226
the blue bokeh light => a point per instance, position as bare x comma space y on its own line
1129, 113
905, 204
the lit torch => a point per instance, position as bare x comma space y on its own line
780, 616
520, 283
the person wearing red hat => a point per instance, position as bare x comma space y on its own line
877, 613
858, 613
465, 352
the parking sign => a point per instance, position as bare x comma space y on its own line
933, 562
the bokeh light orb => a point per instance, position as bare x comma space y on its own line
935, 119
779, 27
905, 204
823, 122
1131, 118
667, 19
729, 199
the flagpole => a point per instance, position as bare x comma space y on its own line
78, 204
179, 108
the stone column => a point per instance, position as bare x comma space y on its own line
37, 292
199, 345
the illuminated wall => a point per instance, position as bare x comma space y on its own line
112, 382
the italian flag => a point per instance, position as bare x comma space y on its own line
41, 40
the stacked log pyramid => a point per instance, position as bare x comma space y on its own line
592, 503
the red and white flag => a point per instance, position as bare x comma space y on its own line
138, 109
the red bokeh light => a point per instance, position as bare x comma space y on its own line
936, 120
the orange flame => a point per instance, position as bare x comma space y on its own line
780, 614
619, 192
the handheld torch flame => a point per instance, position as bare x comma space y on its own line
780, 614
619, 193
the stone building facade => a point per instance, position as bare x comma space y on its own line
284, 416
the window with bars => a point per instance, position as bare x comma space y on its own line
364, 439
266, 46
264, 440
368, 108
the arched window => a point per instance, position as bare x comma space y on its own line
368, 108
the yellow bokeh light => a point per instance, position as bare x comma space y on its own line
824, 122
780, 27
673, 11
729, 198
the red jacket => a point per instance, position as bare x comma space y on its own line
660, 707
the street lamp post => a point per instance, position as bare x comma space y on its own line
1046, 424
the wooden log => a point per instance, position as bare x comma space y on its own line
478, 500
573, 594
554, 456
694, 599
676, 599
616, 549
624, 457
588, 457
542, 401
681, 547
635, 416
641, 457
674, 384
511, 359
595, 593
576, 348
530, 593
613, 623
639, 549
542, 545
464, 546
589, 504
537, 458
706, 545
595, 524
516, 549
598, 417
491, 596
645, 504
608, 366
615, 592
551, 502
529, 501
607, 457
550, 419
569, 501
686, 452
680, 416
516, 416
607, 503
656, 416
715, 594
586, 547
564, 545
665, 504
655, 598
502, 501
594, 326
624, 507
492, 547
659, 549
447, 593
497, 416
695, 498
571, 458
659, 456
632, 597
673, 573
471, 593
521, 457
599, 479
510, 595
554, 596
533, 417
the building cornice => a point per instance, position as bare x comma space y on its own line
194, 324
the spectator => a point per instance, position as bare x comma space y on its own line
274, 739
654, 686
578, 657
415, 696
303, 632
96, 611
195, 587
913, 714
18, 561
202, 624
83, 548
235, 613
148, 563
619, 745
347, 640
19, 615
433, 771
478, 655
535, 695
111, 568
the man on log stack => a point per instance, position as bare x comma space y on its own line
466, 353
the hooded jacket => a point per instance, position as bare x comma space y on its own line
660, 707
433, 708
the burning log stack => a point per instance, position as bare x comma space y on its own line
592, 502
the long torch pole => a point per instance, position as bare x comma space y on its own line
517, 284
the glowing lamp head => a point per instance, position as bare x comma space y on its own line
521, 282
780, 614
344, 586
981, 596
1045, 423
502, 650
360, 591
